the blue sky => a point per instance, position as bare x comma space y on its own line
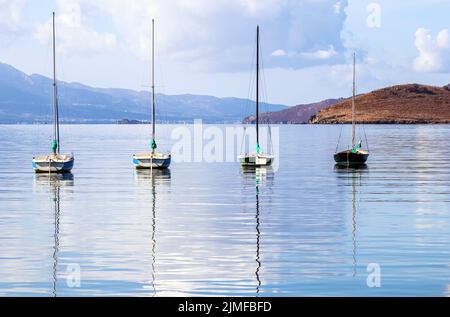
205, 47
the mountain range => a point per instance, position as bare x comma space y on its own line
27, 99
293, 115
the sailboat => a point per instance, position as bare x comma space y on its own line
153, 159
356, 155
258, 158
54, 162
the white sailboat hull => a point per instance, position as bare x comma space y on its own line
151, 160
256, 160
53, 163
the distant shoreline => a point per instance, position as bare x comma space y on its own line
235, 123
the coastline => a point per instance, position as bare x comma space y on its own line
234, 123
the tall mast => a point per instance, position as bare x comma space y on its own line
257, 88
153, 142
153, 78
55, 144
353, 102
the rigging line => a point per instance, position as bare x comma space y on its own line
158, 72
159, 65
261, 82
365, 137
270, 140
243, 139
263, 77
248, 103
162, 88
339, 140
265, 97
250, 85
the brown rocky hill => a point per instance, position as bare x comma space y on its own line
294, 115
402, 104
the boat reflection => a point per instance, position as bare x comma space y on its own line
355, 174
55, 183
350, 169
150, 179
259, 176
152, 176
54, 180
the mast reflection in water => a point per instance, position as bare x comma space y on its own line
55, 182
149, 180
260, 176
355, 175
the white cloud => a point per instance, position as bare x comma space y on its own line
263, 8
321, 54
337, 7
10, 16
74, 32
434, 53
279, 53
219, 35
443, 39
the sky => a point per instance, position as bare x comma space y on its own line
207, 46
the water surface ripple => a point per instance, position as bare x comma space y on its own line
206, 229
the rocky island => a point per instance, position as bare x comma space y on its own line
402, 104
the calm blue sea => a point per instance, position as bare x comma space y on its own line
202, 229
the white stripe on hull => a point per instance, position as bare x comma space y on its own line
151, 160
253, 160
147, 163
52, 167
